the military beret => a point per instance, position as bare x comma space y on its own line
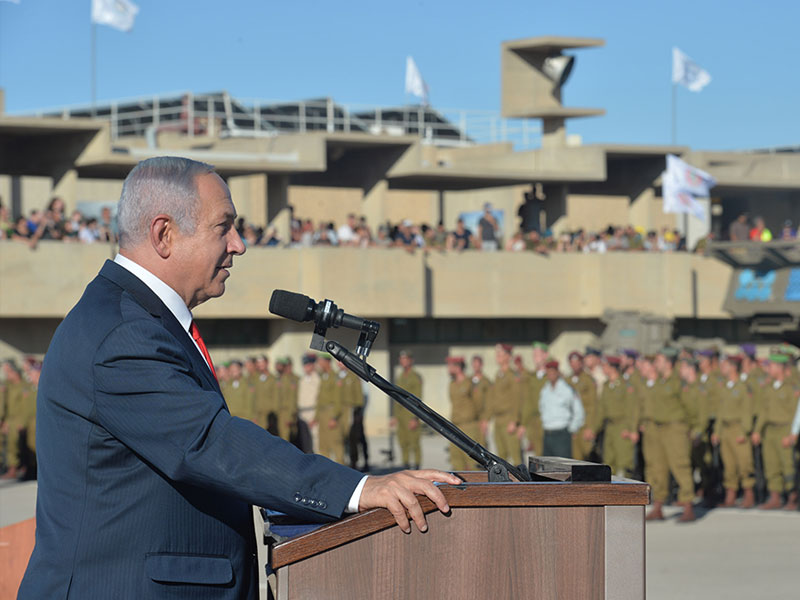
781, 359
788, 350
689, 361
309, 359
575, 354
236, 362
551, 364
288, 359
630, 353
455, 360
749, 350
707, 353
407, 353
541, 346
593, 350
733, 358
324, 356
507, 348
613, 361
281, 361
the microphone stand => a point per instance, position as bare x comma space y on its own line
497, 468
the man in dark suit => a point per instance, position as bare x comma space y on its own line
146, 481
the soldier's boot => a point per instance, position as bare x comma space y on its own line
655, 513
688, 514
791, 503
774, 502
749, 498
730, 498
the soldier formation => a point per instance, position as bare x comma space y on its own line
320, 410
698, 426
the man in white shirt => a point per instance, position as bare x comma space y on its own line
562, 413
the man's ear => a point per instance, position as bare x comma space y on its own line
162, 234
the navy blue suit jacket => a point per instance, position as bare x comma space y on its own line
145, 479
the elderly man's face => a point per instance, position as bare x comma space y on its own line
204, 257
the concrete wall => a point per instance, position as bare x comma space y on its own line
46, 282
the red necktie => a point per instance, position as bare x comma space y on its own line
199, 339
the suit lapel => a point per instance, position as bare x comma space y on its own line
153, 304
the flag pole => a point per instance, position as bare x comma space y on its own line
674, 113
94, 69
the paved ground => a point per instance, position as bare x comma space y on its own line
731, 553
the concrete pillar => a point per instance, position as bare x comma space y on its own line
555, 203
278, 214
249, 193
554, 133
373, 203
67, 187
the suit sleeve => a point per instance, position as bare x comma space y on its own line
149, 398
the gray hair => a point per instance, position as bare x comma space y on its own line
160, 185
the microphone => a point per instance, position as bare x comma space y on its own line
325, 314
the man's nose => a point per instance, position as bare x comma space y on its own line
235, 243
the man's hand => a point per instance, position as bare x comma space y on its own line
633, 437
715, 439
333, 424
413, 424
788, 441
484, 427
588, 435
755, 437
511, 427
393, 422
397, 493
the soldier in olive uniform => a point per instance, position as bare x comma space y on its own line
329, 411
408, 426
238, 393
614, 415
732, 428
772, 431
465, 412
481, 385
505, 407
643, 412
672, 419
353, 415
265, 393
706, 399
531, 419
584, 386
287, 400
19, 412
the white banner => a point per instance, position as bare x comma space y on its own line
688, 73
415, 85
682, 184
118, 14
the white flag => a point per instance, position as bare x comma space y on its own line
682, 184
415, 85
687, 72
118, 14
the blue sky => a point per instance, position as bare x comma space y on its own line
354, 51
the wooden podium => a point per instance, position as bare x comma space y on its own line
552, 538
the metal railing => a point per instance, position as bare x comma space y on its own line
221, 115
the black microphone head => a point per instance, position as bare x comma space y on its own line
291, 305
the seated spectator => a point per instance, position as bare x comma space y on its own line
108, 226
461, 239
702, 243
533, 242
21, 231
346, 234
271, 238
760, 233
89, 232
322, 236
739, 230
439, 240
635, 237
363, 236
651, 242
404, 237
250, 237
787, 233
597, 243
516, 243
384, 239
489, 230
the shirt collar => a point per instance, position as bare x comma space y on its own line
165, 293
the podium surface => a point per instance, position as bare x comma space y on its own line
541, 539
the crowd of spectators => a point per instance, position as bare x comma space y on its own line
53, 224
